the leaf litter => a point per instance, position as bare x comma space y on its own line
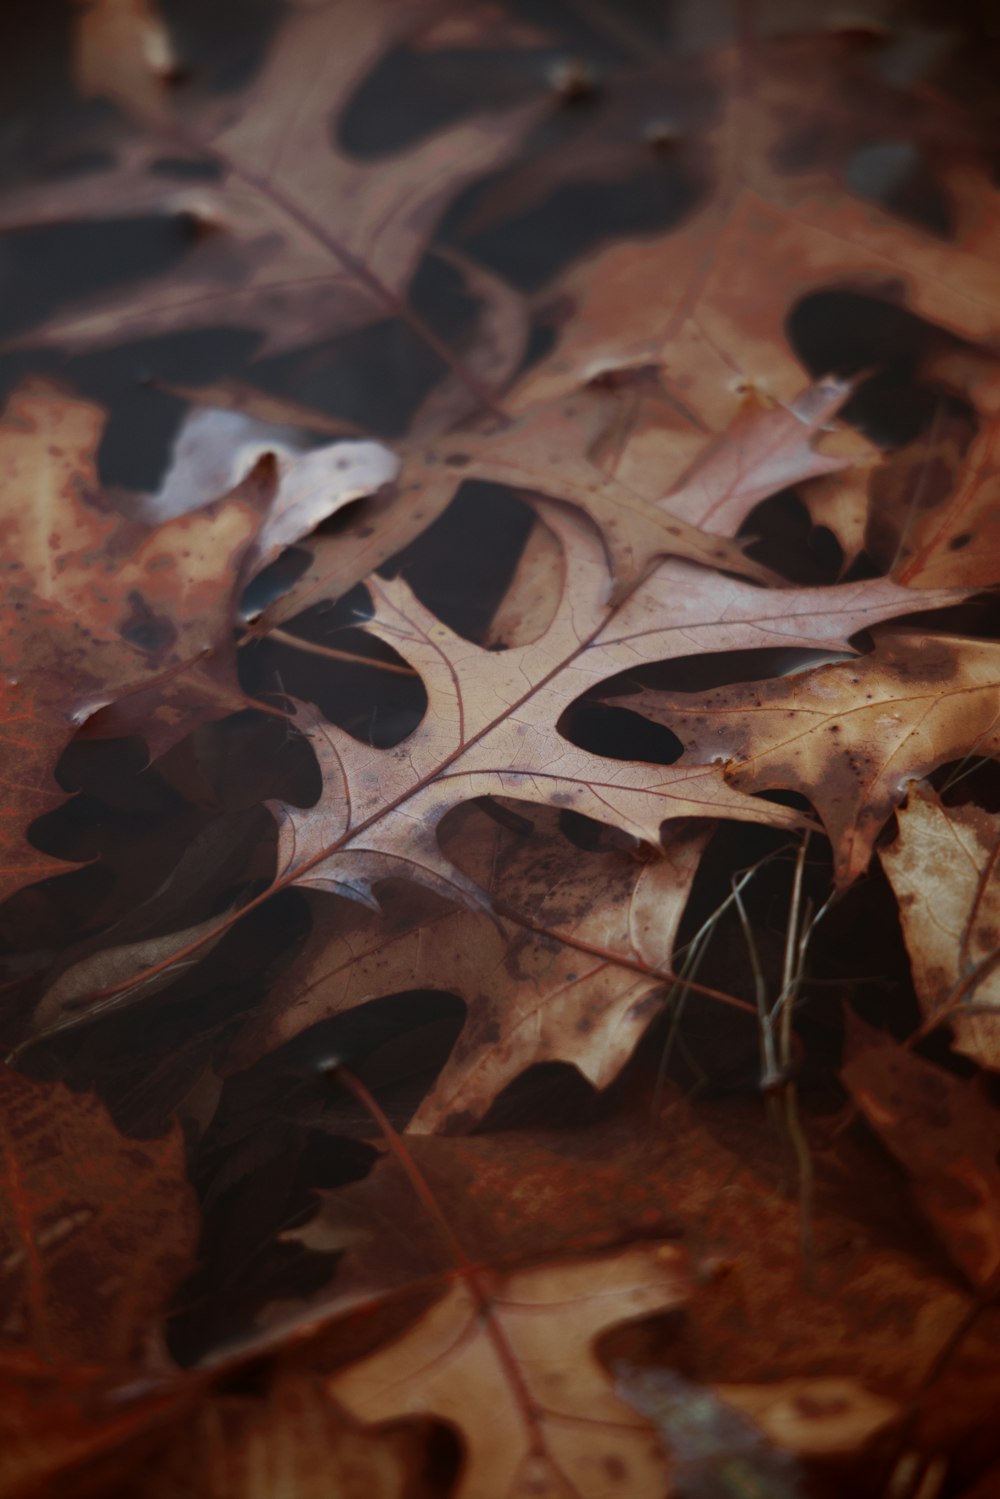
509, 1007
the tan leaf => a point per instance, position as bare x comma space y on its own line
525, 1355
943, 869
851, 736
815, 1417
491, 723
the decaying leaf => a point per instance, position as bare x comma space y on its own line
943, 1131
100, 610
111, 608
942, 866
568, 970
851, 736
706, 306
954, 537
97, 1230
654, 1293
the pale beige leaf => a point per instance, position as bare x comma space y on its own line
519, 1379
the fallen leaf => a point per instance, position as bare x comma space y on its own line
490, 728
956, 541
96, 1231
815, 1417
521, 1347
942, 867
851, 736
943, 1131
569, 969
296, 239
123, 51
113, 608
706, 302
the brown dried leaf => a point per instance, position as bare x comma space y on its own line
943, 1130
100, 610
957, 540
525, 1355
491, 723
706, 303
96, 1231
569, 970
851, 736
943, 869
123, 51
94, 606
298, 239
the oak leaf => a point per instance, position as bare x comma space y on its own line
296, 238
568, 969
520, 1346
706, 302
661, 497
491, 725
100, 610
850, 736
942, 866
954, 539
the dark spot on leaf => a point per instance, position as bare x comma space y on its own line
148, 632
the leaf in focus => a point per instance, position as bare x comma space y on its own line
850, 736
491, 723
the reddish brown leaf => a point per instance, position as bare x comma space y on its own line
568, 971
943, 1131
96, 1232
299, 239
